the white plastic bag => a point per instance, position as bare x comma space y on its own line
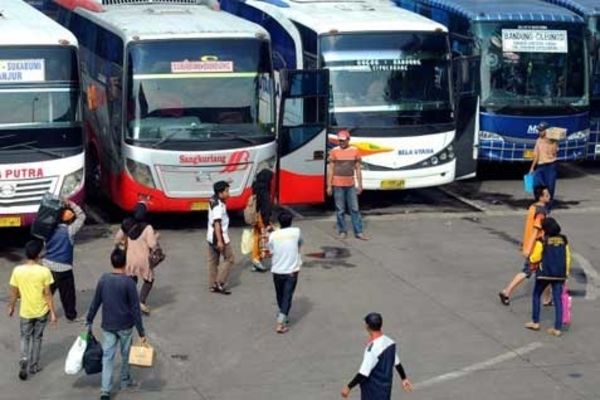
74, 361
247, 241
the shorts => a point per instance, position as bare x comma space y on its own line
528, 270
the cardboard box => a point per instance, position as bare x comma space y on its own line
556, 133
141, 355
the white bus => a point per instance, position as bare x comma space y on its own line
41, 135
390, 83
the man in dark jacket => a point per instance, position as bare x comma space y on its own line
59, 256
117, 294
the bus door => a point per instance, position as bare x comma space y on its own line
466, 72
302, 138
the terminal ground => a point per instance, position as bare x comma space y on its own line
433, 268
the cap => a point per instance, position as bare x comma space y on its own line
343, 135
542, 126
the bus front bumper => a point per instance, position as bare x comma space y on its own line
409, 179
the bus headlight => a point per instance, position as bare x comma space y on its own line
269, 164
485, 135
442, 157
581, 135
140, 173
72, 183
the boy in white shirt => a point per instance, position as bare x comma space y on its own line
217, 236
284, 245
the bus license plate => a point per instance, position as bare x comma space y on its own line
392, 184
10, 222
199, 206
528, 154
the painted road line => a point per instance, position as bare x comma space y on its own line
516, 353
592, 277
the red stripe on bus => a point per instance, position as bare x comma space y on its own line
300, 189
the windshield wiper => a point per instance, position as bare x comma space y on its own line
28, 145
164, 139
232, 135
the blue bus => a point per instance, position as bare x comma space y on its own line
528, 61
590, 11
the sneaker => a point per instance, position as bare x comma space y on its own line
504, 299
23, 370
361, 236
342, 235
145, 309
554, 332
533, 326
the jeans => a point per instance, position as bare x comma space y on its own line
32, 331
65, 283
347, 197
285, 285
109, 346
545, 175
538, 289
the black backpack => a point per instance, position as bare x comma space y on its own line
47, 217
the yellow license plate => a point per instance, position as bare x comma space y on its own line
10, 222
199, 206
392, 184
528, 154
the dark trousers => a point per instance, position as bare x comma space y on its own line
546, 175
285, 285
65, 283
538, 289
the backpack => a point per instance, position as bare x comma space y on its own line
250, 213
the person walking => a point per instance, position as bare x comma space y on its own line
544, 164
31, 283
117, 294
59, 257
343, 166
376, 372
261, 189
217, 236
532, 231
553, 254
139, 238
285, 244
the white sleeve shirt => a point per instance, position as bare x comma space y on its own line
218, 213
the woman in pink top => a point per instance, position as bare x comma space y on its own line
139, 238
544, 161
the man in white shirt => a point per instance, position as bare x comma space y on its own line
379, 361
218, 239
284, 245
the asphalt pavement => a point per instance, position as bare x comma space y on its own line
433, 268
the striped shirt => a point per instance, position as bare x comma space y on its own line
344, 164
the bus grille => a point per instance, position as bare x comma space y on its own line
197, 182
28, 192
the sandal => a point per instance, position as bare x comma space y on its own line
548, 304
533, 326
504, 299
281, 328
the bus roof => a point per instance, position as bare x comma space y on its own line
325, 16
21, 24
505, 10
159, 21
582, 7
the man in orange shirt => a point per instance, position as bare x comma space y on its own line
533, 230
343, 165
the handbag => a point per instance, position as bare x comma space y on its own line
141, 355
247, 241
92, 357
566, 303
529, 182
156, 256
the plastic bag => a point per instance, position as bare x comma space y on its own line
92, 358
529, 182
247, 241
141, 355
566, 301
74, 361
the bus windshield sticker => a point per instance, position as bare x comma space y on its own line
22, 71
183, 67
389, 65
534, 41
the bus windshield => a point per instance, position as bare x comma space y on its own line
388, 79
532, 66
39, 103
595, 51
200, 90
